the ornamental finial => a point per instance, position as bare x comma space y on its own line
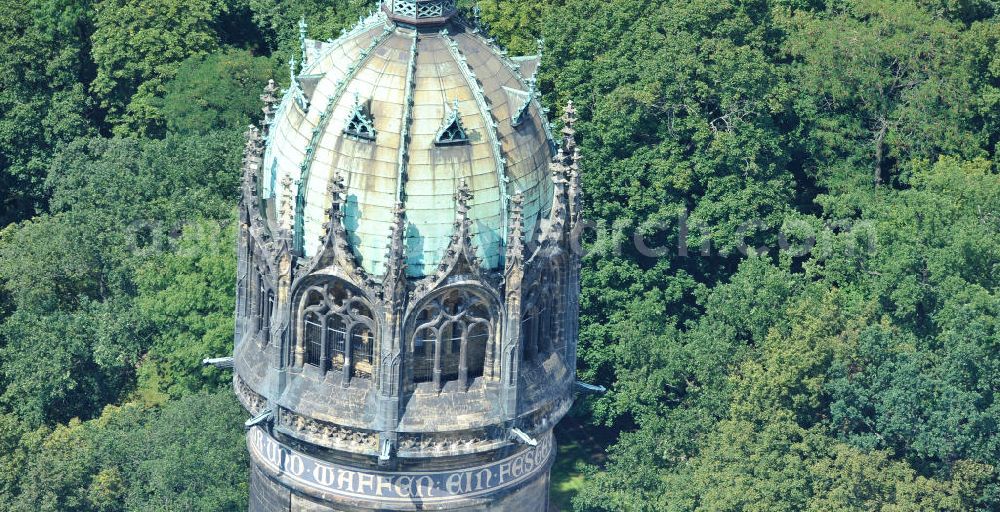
462, 197
286, 214
477, 19
270, 100
395, 257
253, 154
515, 240
569, 131
255, 144
336, 190
394, 282
303, 32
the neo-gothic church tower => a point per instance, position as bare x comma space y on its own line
408, 290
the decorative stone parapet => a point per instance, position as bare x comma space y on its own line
326, 434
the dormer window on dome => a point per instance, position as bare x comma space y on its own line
452, 133
359, 124
522, 112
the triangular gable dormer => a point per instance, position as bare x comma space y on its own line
521, 103
359, 123
452, 133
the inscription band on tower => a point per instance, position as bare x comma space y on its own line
402, 487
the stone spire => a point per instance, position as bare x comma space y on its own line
461, 247
575, 193
335, 251
335, 239
335, 214
569, 131
303, 32
462, 197
270, 100
253, 154
515, 239
558, 170
286, 213
513, 292
394, 282
460, 257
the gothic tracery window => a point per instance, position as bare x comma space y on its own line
451, 337
338, 330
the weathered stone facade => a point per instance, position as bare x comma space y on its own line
381, 387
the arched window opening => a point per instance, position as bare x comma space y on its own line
450, 339
250, 281
555, 324
313, 338
346, 327
268, 313
423, 349
534, 325
246, 292
477, 346
452, 336
529, 347
336, 336
545, 327
362, 350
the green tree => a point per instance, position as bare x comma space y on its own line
217, 92
188, 454
61, 365
187, 295
517, 24
278, 21
138, 46
44, 72
880, 84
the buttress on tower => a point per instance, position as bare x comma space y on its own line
408, 292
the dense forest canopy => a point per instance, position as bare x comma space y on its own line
792, 282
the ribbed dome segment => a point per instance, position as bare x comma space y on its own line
378, 107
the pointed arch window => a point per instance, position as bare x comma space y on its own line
336, 340
423, 348
525, 98
452, 133
251, 281
338, 330
263, 308
313, 325
362, 348
268, 313
451, 338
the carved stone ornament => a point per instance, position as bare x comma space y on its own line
327, 434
